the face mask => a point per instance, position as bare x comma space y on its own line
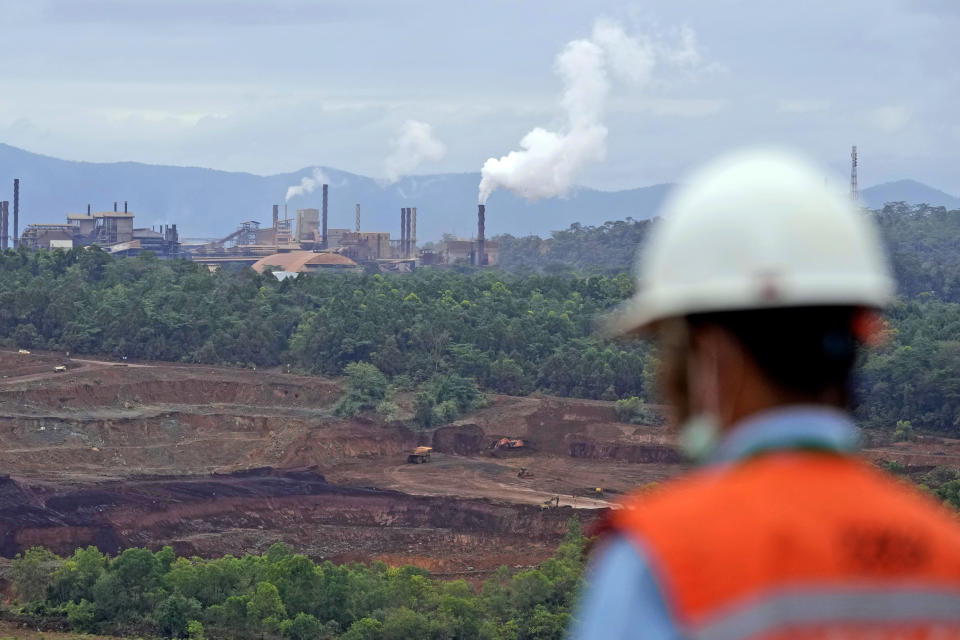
699, 436
698, 433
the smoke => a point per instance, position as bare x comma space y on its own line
547, 162
307, 184
415, 144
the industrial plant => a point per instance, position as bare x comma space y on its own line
113, 231
305, 243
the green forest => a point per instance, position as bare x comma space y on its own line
529, 327
283, 594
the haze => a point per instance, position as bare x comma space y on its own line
274, 87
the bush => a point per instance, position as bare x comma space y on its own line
388, 410
446, 411
366, 388
446, 397
403, 382
423, 405
903, 432
634, 410
81, 616
894, 467
944, 483
461, 391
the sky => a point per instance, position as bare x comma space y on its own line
272, 87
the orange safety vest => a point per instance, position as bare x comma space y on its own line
799, 544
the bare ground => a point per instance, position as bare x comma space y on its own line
125, 453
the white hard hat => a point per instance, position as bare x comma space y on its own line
755, 230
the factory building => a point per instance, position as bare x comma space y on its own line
102, 228
365, 246
48, 236
112, 231
335, 237
451, 252
294, 262
308, 225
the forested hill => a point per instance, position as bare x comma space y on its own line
913, 380
607, 249
922, 242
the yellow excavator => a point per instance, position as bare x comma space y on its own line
552, 503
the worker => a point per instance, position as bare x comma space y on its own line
760, 285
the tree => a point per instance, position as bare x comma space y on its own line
136, 574
26, 335
75, 578
174, 615
364, 629
265, 605
32, 573
423, 404
303, 627
403, 623
195, 630
366, 388
903, 431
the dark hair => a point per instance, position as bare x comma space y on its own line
806, 351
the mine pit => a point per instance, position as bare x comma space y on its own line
215, 460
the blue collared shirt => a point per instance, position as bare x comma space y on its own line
624, 600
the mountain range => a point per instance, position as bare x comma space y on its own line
211, 203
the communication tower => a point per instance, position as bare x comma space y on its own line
854, 194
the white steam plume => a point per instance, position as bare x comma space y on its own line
307, 184
415, 144
548, 161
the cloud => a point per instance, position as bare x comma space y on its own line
193, 13
889, 119
808, 105
415, 145
676, 107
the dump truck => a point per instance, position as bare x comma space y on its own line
23, 352
60, 368
419, 455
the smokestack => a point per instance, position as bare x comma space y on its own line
276, 226
481, 239
125, 206
4, 224
408, 248
88, 208
323, 213
413, 235
114, 206
358, 218
16, 213
403, 231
